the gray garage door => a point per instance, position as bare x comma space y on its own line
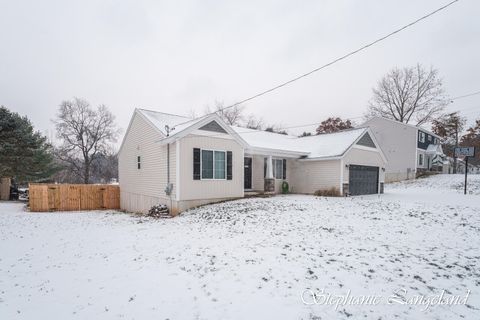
363, 179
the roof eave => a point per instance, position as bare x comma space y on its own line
275, 152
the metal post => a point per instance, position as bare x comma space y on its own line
466, 170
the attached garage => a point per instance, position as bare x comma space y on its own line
349, 162
363, 179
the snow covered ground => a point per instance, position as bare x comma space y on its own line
249, 259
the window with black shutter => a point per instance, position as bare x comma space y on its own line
284, 169
229, 165
196, 164
264, 167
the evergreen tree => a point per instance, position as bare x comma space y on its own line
24, 153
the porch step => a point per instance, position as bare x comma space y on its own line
252, 194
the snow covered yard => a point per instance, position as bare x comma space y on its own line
248, 259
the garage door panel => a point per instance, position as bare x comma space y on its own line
363, 179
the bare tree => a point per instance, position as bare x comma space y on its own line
252, 122
449, 127
411, 94
305, 134
276, 129
233, 116
472, 139
84, 133
192, 114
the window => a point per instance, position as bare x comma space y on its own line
219, 157
277, 168
429, 137
420, 159
421, 136
139, 162
213, 164
207, 164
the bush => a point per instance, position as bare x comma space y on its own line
158, 211
331, 192
285, 187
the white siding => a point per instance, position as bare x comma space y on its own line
142, 188
399, 144
258, 173
210, 189
363, 157
310, 176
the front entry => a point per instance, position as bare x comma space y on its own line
247, 170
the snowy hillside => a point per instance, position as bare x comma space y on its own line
248, 259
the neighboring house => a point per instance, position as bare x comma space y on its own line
184, 163
472, 169
410, 150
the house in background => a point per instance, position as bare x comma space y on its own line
410, 150
472, 168
183, 163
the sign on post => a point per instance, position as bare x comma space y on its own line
466, 152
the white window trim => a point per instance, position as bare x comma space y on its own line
421, 137
274, 170
213, 160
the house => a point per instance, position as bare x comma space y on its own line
472, 168
183, 163
410, 150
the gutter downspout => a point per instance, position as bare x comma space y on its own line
169, 187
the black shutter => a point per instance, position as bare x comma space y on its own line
284, 169
264, 167
196, 164
229, 165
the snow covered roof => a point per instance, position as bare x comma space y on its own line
434, 149
258, 139
311, 147
331, 144
161, 119
317, 146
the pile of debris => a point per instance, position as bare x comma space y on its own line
159, 211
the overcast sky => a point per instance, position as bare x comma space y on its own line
178, 56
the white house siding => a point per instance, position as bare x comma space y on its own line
399, 144
196, 192
310, 176
140, 189
257, 172
363, 157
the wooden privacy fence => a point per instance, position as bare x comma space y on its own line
69, 197
4, 188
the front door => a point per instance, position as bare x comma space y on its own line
247, 176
